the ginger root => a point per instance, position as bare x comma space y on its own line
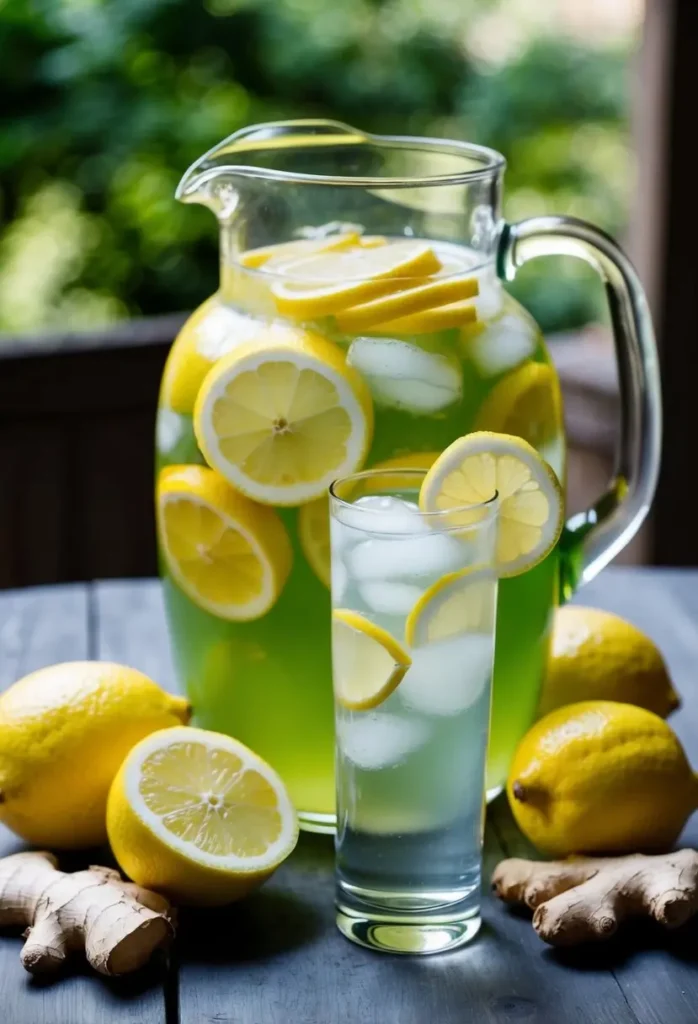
117, 924
585, 899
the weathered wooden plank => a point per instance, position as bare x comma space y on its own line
131, 627
656, 971
39, 627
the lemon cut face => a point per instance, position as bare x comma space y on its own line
282, 418
530, 509
368, 663
199, 816
229, 555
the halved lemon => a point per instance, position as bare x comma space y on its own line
427, 321
367, 662
229, 555
281, 418
297, 248
197, 816
530, 498
526, 403
314, 534
408, 302
331, 281
460, 602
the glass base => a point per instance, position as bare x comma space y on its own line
325, 824
407, 935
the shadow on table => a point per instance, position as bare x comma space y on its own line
637, 937
290, 911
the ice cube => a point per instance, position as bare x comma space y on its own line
387, 598
402, 558
504, 344
340, 578
449, 676
222, 330
378, 739
392, 515
404, 376
489, 301
169, 429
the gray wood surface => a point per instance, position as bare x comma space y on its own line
277, 956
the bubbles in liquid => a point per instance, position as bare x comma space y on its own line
403, 376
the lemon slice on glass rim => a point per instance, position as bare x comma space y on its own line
331, 281
530, 509
367, 662
229, 555
197, 815
282, 417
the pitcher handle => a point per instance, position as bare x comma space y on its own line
592, 538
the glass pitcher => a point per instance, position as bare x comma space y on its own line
361, 322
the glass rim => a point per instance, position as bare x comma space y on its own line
489, 505
260, 137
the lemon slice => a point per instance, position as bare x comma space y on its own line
297, 248
530, 499
282, 418
229, 555
440, 318
328, 282
367, 662
526, 403
460, 602
437, 291
199, 817
314, 534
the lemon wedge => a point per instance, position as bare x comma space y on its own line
299, 247
314, 534
439, 318
199, 817
281, 418
434, 292
471, 469
229, 555
459, 602
368, 663
331, 281
526, 403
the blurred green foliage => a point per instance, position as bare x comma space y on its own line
106, 103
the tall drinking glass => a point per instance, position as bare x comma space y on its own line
413, 626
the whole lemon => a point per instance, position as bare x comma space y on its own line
596, 655
601, 777
64, 732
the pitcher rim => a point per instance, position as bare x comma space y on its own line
208, 166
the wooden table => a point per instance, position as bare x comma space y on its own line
277, 958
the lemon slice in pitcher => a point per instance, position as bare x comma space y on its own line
331, 281
314, 534
295, 249
367, 662
198, 816
407, 303
283, 417
530, 512
526, 403
229, 555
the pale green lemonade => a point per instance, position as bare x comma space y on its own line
268, 681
